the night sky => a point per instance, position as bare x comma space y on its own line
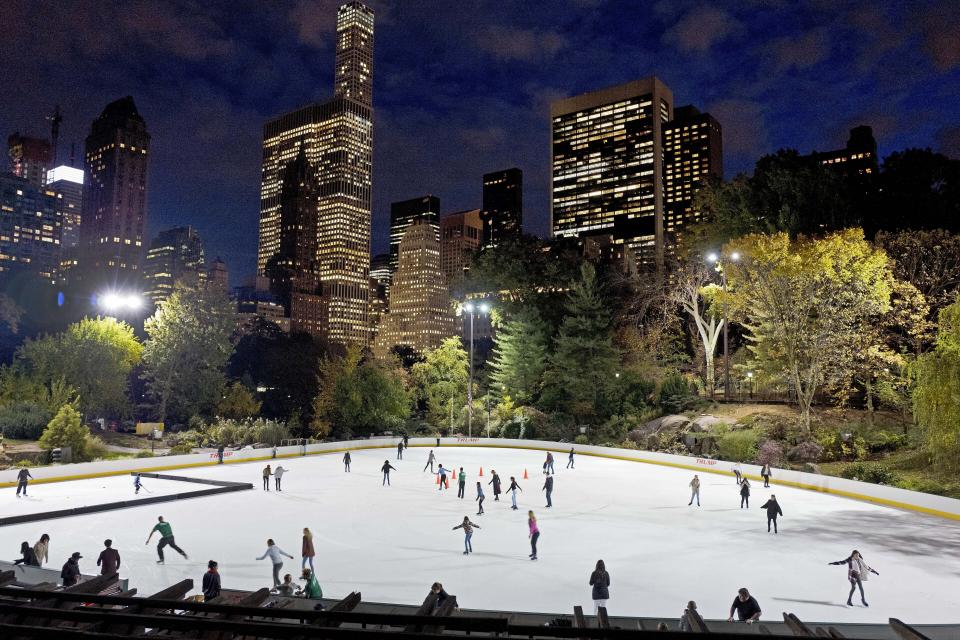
462, 87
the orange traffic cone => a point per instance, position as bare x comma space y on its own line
438, 478
481, 472
447, 484
525, 475
454, 477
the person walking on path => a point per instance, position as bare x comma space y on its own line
311, 588
467, 527
479, 499
166, 539
534, 534
570, 459
600, 581
211, 581
745, 493
495, 481
23, 476
28, 556
266, 477
307, 551
461, 484
109, 559
694, 490
276, 557
430, 459
514, 487
773, 510
766, 473
400, 450
386, 472
278, 475
346, 462
137, 484
42, 549
548, 487
738, 472
857, 573
70, 573
746, 607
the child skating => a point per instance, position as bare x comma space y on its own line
386, 472
534, 534
514, 487
468, 528
479, 499
137, 485
442, 473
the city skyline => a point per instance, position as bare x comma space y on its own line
488, 95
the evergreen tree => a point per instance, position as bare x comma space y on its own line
442, 380
66, 430
936, 393
520, 356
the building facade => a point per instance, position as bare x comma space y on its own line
67, 183
218, 275
607, 166
858, 160
115, 197
30, 158
337, 139
419, 313
405, 213
174, 254
30, 229
502, 211
461, 235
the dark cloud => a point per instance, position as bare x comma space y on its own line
701, 28
526, 45
948, 141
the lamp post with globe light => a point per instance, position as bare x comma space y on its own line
717, 259
472, 309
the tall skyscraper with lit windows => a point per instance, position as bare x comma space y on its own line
336, 138
405, 213
607, 165
502, 211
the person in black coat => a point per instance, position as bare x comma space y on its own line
442, 595
745, 493
70, 574
773, 510
600, 581
386, 472
29, 558
400, 450
548, 487
346, 462
495, 481
211, 581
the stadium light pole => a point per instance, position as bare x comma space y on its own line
472, 309
717, 260
119, 303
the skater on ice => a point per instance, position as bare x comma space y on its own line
745, 606
442, 473
467, 527
548, 463
28, 556
386, 472
857, 573
570, 459
534, 534
514, 487
276, 555
694, 490
479, 499
109, 559
744, 493
430, 459
400, 450
346, 462
278, 475
307, 551
773, 510
42, 549
166, 539
23, 477
738, 473
600, 581
461, 484
266, 477
406, 441
548, 487
70, 573
211, 582
495, 481
137, 485
766, 473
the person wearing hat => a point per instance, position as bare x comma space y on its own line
70, 574
211, 581
109, 560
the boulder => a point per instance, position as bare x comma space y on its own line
673, 423
705, 423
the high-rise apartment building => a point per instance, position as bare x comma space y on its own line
218, 275
380, 269
607, 165
294, 266
114, 197
502, 210
858, 160
174, 254
692, 155
420, 306
67, 183
405, 213
29, 229
30, 158
461, 234
337, 139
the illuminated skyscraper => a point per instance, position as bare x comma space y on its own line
29, 229
67, 183
174, 254
405, 213
218, 275
608, 164
460, 236
692, 155
114, 197
30, 158
502, 206
337, 139
420, 306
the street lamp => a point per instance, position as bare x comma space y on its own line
750, 378
473, 309
118, 302
717, 260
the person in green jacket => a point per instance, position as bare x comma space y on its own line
462, 484
311, 588
166, 539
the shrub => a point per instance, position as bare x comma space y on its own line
558, 427
876, 474
24, 420
614, 430
808, 451
581, 439
885, 441
628, 444
739, 446
770, 452
838, 447
144, 454
96, 448
66, 430
181, 448
676, 394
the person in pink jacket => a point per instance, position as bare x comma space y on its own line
534, 534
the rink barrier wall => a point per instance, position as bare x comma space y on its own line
878, 494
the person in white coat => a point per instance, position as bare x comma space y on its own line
857, 573
278, 475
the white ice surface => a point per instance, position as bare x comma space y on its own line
391, 543
83, 493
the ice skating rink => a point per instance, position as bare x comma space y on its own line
391, 543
